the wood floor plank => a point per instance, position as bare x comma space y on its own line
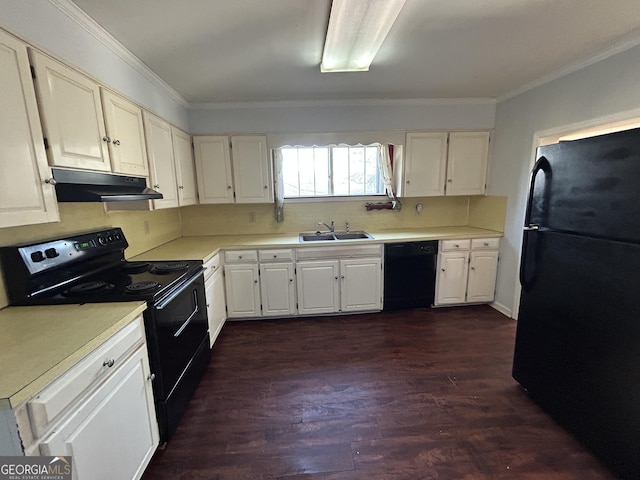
406, 395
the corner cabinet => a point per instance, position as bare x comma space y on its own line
441, 163
233, 169
466, 271
25, 196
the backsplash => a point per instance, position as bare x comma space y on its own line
144, 229
482, 211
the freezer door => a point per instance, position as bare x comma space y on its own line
577, 346
590, 187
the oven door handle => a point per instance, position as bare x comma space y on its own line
188, 320
165, 301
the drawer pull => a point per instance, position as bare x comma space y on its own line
109, 363
486, 244
152, 377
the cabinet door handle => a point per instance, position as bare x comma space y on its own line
116, 142
255, 281
473, 268
449, 180
106, 139
342, 276
151, 376
336, 277
50, 181
443, 269
291, 279
156, 186
109, 363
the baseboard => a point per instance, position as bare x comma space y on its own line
502, 309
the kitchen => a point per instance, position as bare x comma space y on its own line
563, 102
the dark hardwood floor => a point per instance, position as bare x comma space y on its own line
408, 395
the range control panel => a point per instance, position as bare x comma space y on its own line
53, 254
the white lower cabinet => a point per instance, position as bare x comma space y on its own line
277, 288
264, 289
214, 293
466, 271
101, 411
342, 279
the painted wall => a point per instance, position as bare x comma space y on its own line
41, 24
605, 89
291, 118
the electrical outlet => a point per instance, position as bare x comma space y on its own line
419, 207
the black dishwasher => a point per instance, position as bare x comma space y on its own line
409, 274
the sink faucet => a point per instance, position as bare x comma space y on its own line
330, 227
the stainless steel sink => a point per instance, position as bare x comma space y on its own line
351, 235
329, 237
316, 237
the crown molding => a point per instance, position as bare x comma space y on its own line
78, 15
366, 102
573, 67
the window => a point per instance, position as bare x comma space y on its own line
340, 170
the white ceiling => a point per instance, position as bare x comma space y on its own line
214, 51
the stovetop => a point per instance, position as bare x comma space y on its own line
88, 268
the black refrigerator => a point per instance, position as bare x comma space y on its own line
577, 348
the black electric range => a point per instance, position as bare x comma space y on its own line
91, 268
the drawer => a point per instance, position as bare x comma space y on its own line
319, 253
453, 245
485, 244
276, 255
212, 266
64, 391
231, 256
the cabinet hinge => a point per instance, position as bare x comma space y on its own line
46, 143
33, 71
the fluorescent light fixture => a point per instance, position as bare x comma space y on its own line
356, 31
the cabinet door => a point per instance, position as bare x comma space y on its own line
243, 291
125, 128
483, 267
451, 281
216, 305
117, 421
318, 286
277, 289
251, 172
161, 162
467, 164
185, 168
25, 198
425, 164
361, 284
72, 117
213, 167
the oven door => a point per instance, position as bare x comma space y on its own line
176, 326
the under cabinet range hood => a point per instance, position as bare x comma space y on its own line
81, 186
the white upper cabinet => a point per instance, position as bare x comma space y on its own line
251, 172
213, 167
125, 131
425, 164
72, 116
185, 169
161, 162
467, 164
444, 163
240, 174
25, 198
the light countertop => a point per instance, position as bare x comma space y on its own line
204, 247
39, 343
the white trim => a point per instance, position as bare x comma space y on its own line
501, 308
347, 102
76, 14
573, 67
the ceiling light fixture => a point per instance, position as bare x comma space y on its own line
356, 31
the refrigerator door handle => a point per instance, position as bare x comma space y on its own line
542, 164
532, 228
